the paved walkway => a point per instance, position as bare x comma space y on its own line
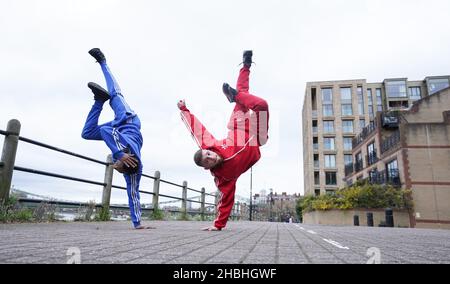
242, 242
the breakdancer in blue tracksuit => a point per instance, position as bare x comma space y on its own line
122, 135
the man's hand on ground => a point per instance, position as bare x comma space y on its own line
181, 104
212, 228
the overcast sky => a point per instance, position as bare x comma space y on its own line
162, 51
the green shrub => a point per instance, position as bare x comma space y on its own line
359, 195
157, 214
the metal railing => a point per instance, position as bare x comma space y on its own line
390, 142
358, 165
372, 158
348, 169
7, 166
366, 131
391, 177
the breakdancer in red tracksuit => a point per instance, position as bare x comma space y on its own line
227, 159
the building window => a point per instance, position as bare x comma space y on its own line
330, 178
327, 110
392, 172
316, 192
328, 126
398, 104
414, 93
316, 178
360, 101
346, 95
347, 126
330, 191
370, 102
315, 143
348, 144
348, 159
371, 154
435, 85
328, 143
330, 161
316, 161
396, 89
347, 109
379, 100
362, 124
358, 162
346, 101
327, 96
327, 102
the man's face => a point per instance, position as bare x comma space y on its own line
209, 159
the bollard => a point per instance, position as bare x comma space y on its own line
8, 158
369, 219
389, 217
155, 197
355, 220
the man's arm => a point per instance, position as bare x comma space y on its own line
201, 135
115, 143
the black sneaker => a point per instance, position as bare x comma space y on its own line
100, 94
247, 58
229, 92
97, 54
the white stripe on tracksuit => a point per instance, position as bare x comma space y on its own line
133, 181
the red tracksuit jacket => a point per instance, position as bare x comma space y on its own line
240, 150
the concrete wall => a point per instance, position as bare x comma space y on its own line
345, 217
428, 163
429, 109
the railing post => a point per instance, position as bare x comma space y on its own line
8, 158
106, 196
202, 206
155, 198
216, 201
183, 202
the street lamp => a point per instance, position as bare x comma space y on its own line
251, 197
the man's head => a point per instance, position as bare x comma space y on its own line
124, 169
207, 159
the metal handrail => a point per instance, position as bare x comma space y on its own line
51, 174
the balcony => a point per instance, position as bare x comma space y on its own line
348, 169
389, 120
366, 131
372, 158
390, 142
358, 165
391, 177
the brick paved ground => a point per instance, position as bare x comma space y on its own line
241, 242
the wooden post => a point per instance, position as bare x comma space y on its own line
8, 158
202, 208
183, 202
155, 199
106, 196
216, 201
